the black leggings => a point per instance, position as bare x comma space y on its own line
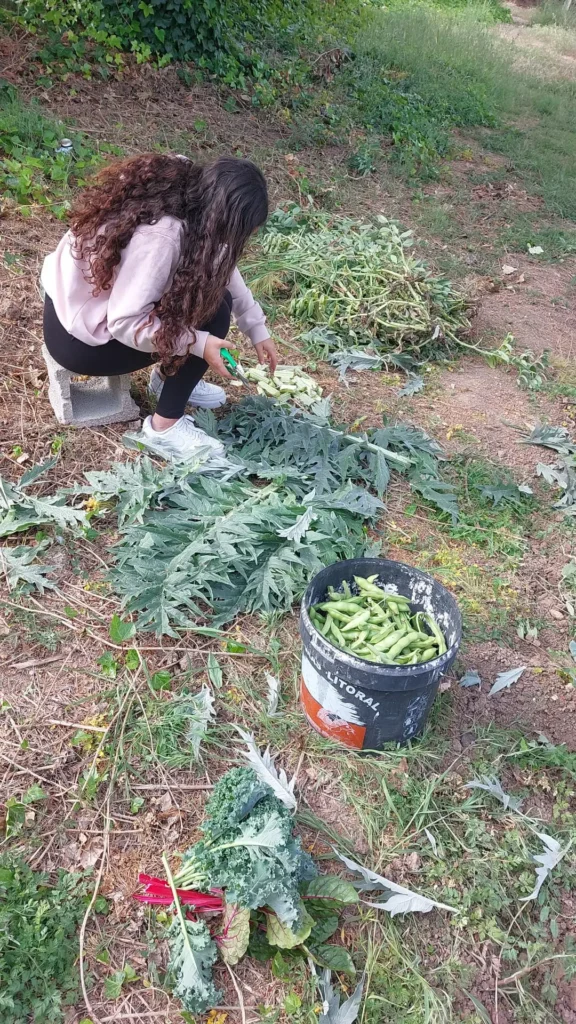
114, 359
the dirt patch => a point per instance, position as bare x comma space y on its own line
538, 703
538, 310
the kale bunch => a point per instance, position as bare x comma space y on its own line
249, 849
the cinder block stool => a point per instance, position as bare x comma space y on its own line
88, 403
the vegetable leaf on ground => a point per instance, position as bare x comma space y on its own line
333, 1012
217, 549
21, 567
401, 900
557, 438
354, 359
20, 510
414, 385
505, 492
273, 694
551, 856
506, 679
494, 787
470, 678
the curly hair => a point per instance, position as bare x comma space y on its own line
220, 204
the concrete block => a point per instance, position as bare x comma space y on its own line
88, 403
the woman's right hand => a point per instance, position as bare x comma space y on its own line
213, 357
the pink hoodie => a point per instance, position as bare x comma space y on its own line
125, 311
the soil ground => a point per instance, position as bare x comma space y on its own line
51, 646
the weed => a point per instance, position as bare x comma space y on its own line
551, 12
366, 158
417, 74
169, 731
557, 239
532, 369
32, 630
32, 172
498, 525
38, 942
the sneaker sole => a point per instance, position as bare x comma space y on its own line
208, 405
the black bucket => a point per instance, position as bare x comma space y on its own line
361, 703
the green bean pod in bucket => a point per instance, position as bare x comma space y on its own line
377, 636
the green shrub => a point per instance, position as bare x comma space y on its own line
229, 38
38, 942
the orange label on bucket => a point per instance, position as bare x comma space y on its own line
329, 724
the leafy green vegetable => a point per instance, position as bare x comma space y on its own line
235, 933
282, 935
323, 929
260, 880
331, 887
334, 957
192, 953
256, 860
233, 797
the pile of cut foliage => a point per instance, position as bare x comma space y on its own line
212, 549
356, 283
206, 541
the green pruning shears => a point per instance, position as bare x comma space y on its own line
229, 358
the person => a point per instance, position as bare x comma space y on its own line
147, 276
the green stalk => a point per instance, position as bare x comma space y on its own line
188, 876
172, 885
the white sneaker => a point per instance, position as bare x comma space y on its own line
204, 395
180, 442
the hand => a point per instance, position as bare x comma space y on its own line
266, 352
213, 357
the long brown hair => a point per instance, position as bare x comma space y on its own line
221, 204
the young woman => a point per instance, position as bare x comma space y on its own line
147, 275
